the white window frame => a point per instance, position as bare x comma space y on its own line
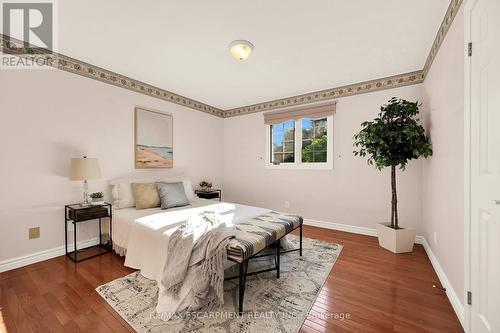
298, 164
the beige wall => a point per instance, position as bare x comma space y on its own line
56, 115
443, 174
354, 193
49, 116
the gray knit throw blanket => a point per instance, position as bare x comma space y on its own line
198, 246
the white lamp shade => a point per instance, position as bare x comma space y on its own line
84, 169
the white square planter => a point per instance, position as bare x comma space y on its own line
397, 241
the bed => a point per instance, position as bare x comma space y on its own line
142, 235
139, 234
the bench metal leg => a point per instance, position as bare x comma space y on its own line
300, 240
242, 280
278, 260
243, 270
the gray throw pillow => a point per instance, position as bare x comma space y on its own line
172, 195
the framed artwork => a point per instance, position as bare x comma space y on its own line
153, 139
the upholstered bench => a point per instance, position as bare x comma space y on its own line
254, 236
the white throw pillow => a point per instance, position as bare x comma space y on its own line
121, 191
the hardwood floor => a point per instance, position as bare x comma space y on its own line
378, 291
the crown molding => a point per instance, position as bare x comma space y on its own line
60, 61
71, 65
327, 94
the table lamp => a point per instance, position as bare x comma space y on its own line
85, 169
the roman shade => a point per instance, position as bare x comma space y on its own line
314, 112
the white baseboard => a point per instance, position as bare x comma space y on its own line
350, 228
32, 258
452, 296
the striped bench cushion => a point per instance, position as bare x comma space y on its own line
258, 233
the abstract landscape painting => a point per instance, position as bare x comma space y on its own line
153, 139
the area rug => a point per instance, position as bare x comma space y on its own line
271, 304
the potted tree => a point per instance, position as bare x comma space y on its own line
391, 140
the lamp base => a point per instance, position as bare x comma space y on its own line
85, 202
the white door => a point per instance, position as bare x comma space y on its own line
485, 166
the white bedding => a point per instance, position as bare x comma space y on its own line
145, 234
124, 218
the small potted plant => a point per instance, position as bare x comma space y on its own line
206, 185
391, 140
97, 198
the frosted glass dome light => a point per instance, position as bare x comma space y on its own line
241, 49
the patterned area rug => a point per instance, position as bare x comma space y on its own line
271, 305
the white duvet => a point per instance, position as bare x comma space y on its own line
145, 234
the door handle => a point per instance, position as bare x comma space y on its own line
497, 202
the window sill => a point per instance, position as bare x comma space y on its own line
312, 166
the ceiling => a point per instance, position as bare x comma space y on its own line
300, 46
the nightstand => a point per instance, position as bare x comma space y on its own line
212, 194
76, 214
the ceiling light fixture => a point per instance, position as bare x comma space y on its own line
241, 49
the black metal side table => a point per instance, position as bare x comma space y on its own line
211, 194
76, 213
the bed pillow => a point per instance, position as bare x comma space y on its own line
145, 195
121, 188
188, 188
121, 191
172, 195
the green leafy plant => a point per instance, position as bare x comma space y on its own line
391, 140
205, 184
97, 195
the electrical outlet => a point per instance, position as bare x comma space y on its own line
287, 204
34, 233
435, 238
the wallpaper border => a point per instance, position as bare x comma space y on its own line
71, 65
374, 85
60, 61
339, 92
452, 11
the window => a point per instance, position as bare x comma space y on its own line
303, 143
314, 140
283, 142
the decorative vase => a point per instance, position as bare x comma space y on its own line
396, 240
